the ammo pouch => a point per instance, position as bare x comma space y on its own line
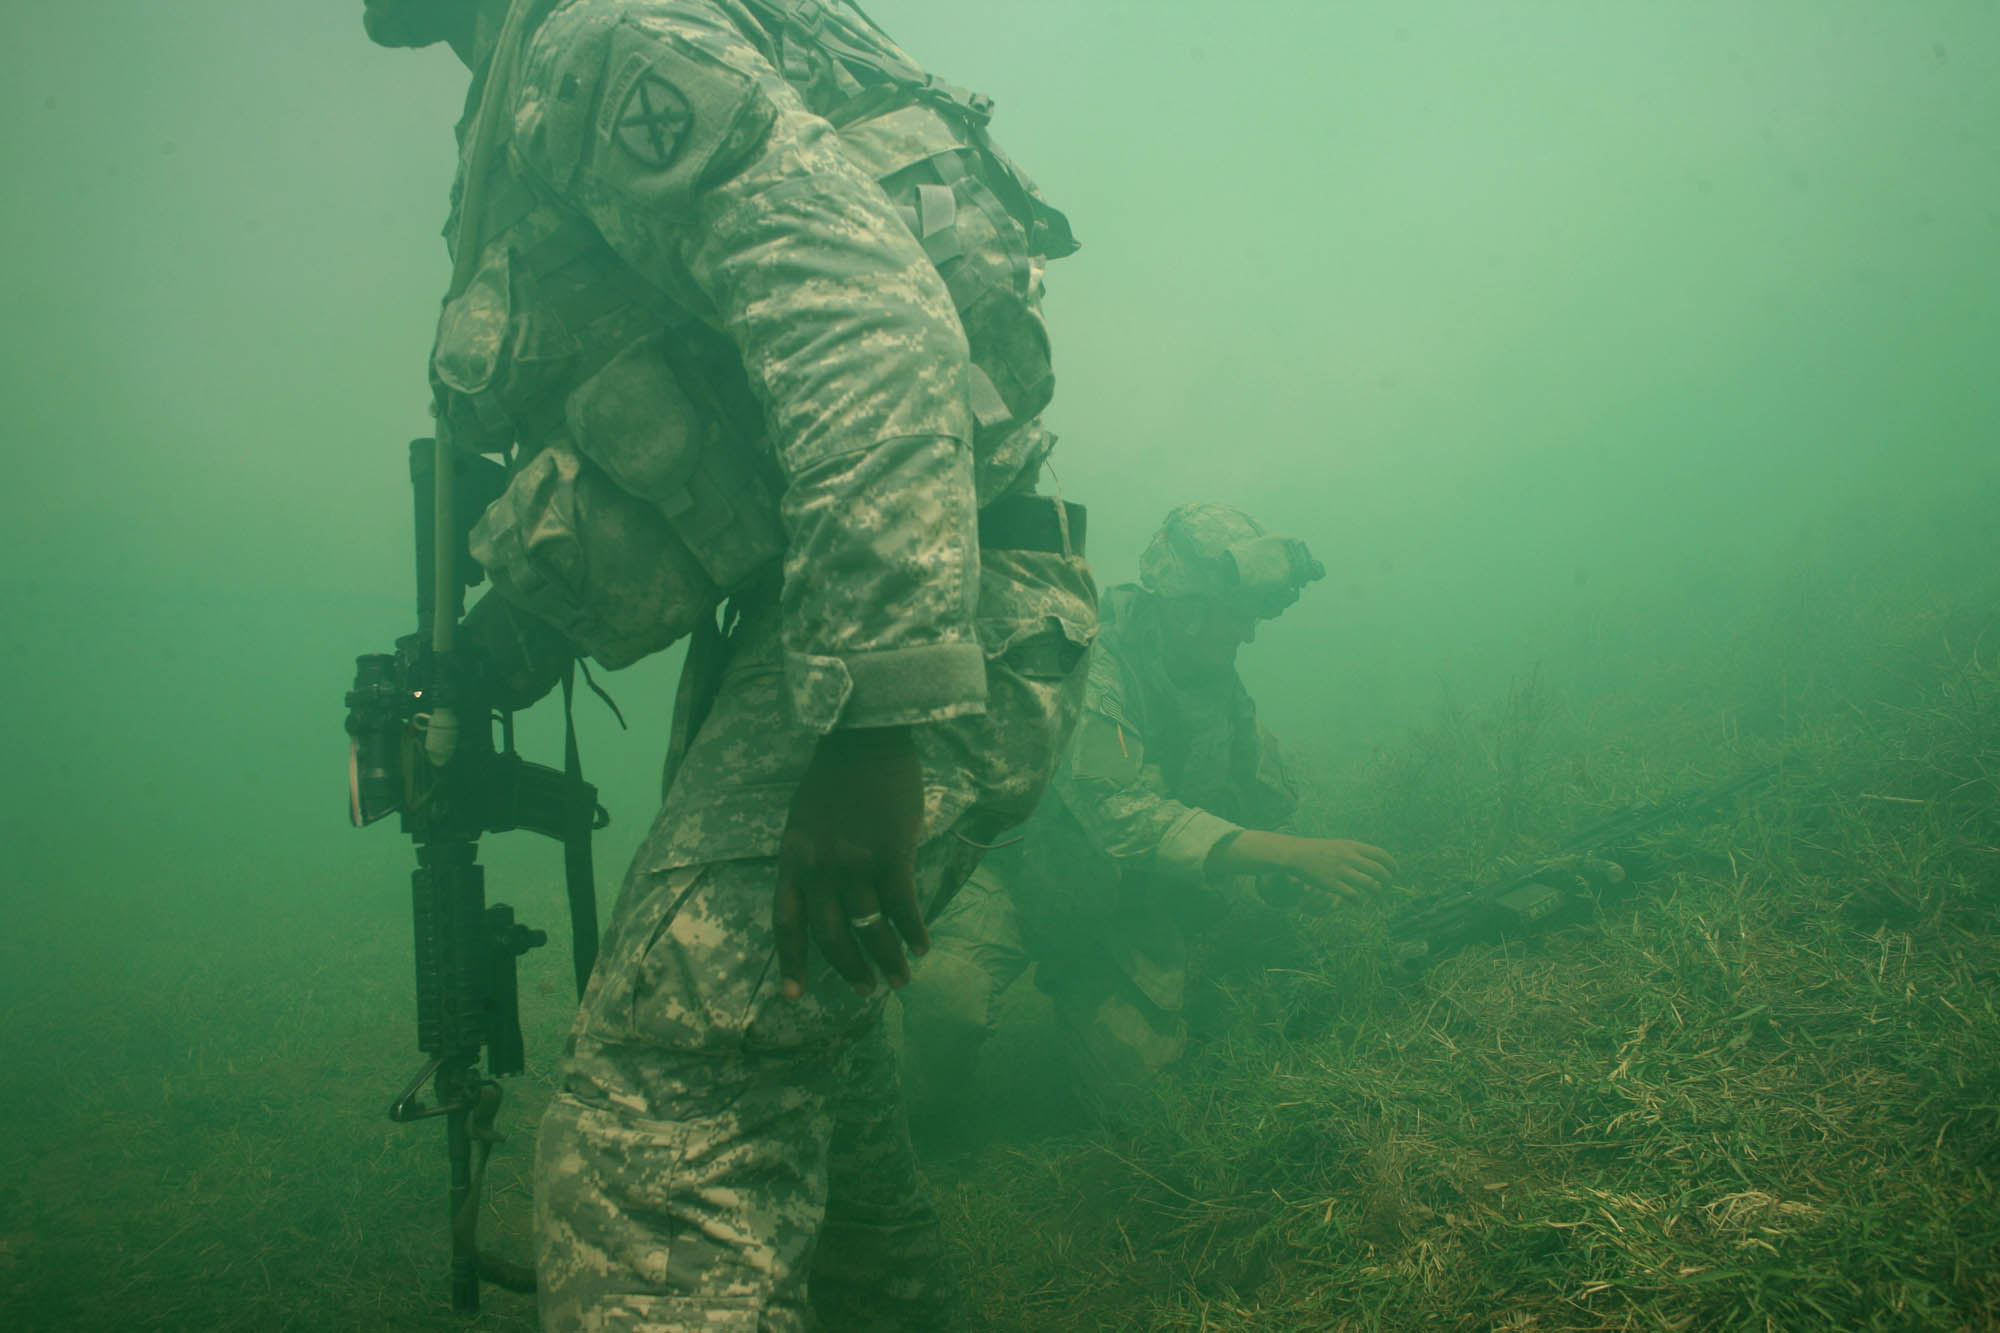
630, 524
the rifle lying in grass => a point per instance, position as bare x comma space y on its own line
1556, 891
422, 721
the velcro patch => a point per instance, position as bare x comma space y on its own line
653, 120
1104, 749
668, 111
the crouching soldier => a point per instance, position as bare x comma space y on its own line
1168, 790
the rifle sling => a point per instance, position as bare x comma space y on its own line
579, 874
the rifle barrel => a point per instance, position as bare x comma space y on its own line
1456, 914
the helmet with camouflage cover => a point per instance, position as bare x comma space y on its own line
1218, 553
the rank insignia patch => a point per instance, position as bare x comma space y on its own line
653, 121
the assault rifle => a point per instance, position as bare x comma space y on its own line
1555, 891
422, 744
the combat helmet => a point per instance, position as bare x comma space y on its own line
1216, 552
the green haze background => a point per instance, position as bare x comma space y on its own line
1579, 335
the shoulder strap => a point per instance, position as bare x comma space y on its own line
873, 65
869, 56
503, 82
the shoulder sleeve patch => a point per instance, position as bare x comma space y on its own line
1104, 685
671, 115
1104, 749
648, 116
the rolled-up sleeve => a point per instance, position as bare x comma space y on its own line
703, 169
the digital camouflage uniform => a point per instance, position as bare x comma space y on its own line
1104, 888
858, 309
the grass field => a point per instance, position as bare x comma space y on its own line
1761, 1092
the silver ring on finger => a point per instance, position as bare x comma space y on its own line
865, 922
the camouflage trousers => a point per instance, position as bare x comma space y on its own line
1119, 1023
720, 1156
716, 1189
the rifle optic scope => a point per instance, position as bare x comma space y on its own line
376, 709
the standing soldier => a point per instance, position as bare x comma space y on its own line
751, 305
1169, 789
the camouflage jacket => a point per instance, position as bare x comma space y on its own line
1155, 776
841, 266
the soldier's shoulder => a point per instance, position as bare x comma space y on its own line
1122, 615
568, 48
582, 26
576, 36
668, 80
576, 22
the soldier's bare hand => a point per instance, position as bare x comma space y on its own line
1341, 866
847, 863
1338, 866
